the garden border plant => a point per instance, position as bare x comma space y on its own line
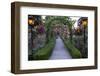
75, 53
45, 53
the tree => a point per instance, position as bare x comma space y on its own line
62, 20
70, 24
51, 21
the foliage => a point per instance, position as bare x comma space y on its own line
52, 20
70, 24
63, 20
75, 53
45, 53
79, 43
41, 29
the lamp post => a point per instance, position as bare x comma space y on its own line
84, 23
31, 24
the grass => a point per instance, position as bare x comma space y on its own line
75, 53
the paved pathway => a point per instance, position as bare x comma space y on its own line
60, 52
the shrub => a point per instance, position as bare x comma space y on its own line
45, 53
75, 53
79, 44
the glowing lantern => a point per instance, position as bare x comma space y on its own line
84, 23
30, 21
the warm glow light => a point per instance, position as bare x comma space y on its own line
84, 23
30, 21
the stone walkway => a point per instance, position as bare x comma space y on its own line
59, 51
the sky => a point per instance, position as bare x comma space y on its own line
75, 18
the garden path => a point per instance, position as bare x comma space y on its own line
59, 51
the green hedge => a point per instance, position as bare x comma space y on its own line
45, 53
75, 53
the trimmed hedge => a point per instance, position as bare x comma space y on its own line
75, 53
45, 53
